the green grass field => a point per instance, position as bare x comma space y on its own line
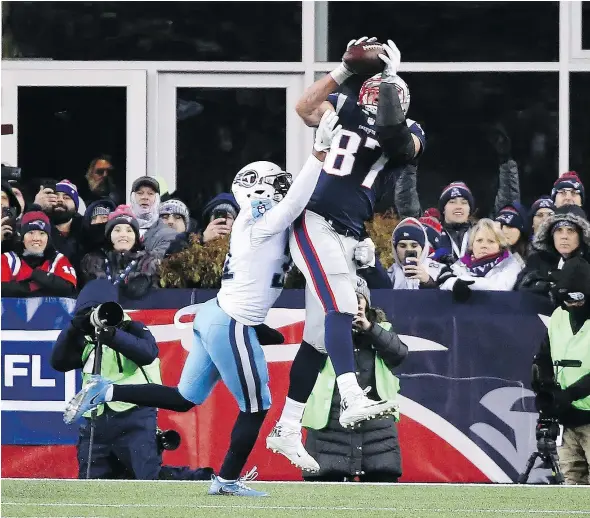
61, 498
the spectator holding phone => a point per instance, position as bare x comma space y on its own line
11, 210
412, 269
218, 216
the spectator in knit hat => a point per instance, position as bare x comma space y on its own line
487, 265
417, 272
540, 211
11, 210
94, 225
456, 205
36, 268
568, 189
218, 216
513, 221
176, 215
61, 205
145, 204
563, 235
122, 259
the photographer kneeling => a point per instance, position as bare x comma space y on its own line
126, 443
566, 396
370, 451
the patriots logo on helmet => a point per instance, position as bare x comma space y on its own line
247, 178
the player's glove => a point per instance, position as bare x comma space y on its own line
326, 131
364, 253
392, 59
342, 72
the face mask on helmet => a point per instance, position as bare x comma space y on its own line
259, 186
369, 94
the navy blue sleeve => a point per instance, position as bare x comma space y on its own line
136, 343
66, 354
417, 130
376, 277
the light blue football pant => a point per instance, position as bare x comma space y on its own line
227, 350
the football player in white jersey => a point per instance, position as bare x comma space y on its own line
228, 329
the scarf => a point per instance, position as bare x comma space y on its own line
481, 267
145, 217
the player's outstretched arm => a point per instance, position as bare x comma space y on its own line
396, 139
280, 217
313, 103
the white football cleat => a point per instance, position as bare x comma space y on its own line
287, 442
358, 407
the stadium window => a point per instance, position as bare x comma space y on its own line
580, 124
219, 131
450, 31
62, 128
158, 31
586, 25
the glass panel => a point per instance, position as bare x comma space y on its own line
219, 131
61, 129
464, 116
585, 25
176, 31
450, 31
580, 124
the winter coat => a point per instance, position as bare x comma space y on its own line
544, 259
93, 236
396, 271
71, 244
142, 277
158, 238
501, 277
373, 447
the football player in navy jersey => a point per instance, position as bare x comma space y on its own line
327, 243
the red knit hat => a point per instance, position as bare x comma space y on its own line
35, 220
122, 215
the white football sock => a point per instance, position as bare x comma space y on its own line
348, 384
109, 394
292, 413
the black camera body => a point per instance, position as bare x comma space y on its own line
10, 172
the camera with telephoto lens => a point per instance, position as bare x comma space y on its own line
109, 314
167, 439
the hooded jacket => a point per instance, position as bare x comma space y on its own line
93, 235
396, 271
220, 199
536, 275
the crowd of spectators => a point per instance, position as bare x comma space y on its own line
54, 241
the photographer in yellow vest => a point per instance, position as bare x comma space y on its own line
369, 452
126, 440
566, 396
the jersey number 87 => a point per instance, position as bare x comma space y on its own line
340, 160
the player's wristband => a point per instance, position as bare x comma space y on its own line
340, 74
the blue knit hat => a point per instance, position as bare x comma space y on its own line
455, 190
511, 217
411, 231
70, 189
544, 202
569, 180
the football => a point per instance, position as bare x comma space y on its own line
364, 59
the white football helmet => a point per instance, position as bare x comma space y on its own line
259, 186
369, 93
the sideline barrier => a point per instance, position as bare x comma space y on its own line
467, 412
